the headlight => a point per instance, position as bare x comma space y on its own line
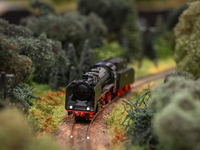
88, 108
70, 107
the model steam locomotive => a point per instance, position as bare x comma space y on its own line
104, 81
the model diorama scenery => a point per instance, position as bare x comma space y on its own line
99, 75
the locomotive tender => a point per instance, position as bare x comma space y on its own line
104, 81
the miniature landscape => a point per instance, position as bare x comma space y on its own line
52, 47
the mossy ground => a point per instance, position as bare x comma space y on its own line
148, 67
46, 114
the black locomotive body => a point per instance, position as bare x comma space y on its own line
104, 81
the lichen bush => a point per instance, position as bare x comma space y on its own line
13, 63
187, 53
167, 90
176, 104
48, 52
183, 74
138, 120
16, 134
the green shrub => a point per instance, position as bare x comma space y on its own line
138, 120
177, 107
16, 134
20, 95
109, 50
163, 47
183, 74
113, 12
21, 53
120, 18
68, 28
13, 63
187, 52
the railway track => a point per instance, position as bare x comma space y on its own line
93, 135
84, 124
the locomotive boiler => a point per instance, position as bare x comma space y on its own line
102, 83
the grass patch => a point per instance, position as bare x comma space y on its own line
115, 127
46, 114
148, 67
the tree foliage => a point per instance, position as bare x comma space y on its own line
132, 32
183, 74
87, 58
120, 17
42, 51
177, 107
21, 53
68, 28
13, 63
174, 15
74, 67
16, 134
11, 30
112, 49
43, 7
113, 12
187, 52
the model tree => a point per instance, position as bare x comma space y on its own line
13, 63
120, 18
87, 59
21, 53
187, 52
42, 51
44, 8
71, 53
132, 32
68, 28
61, 75
113, 12
21, 66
